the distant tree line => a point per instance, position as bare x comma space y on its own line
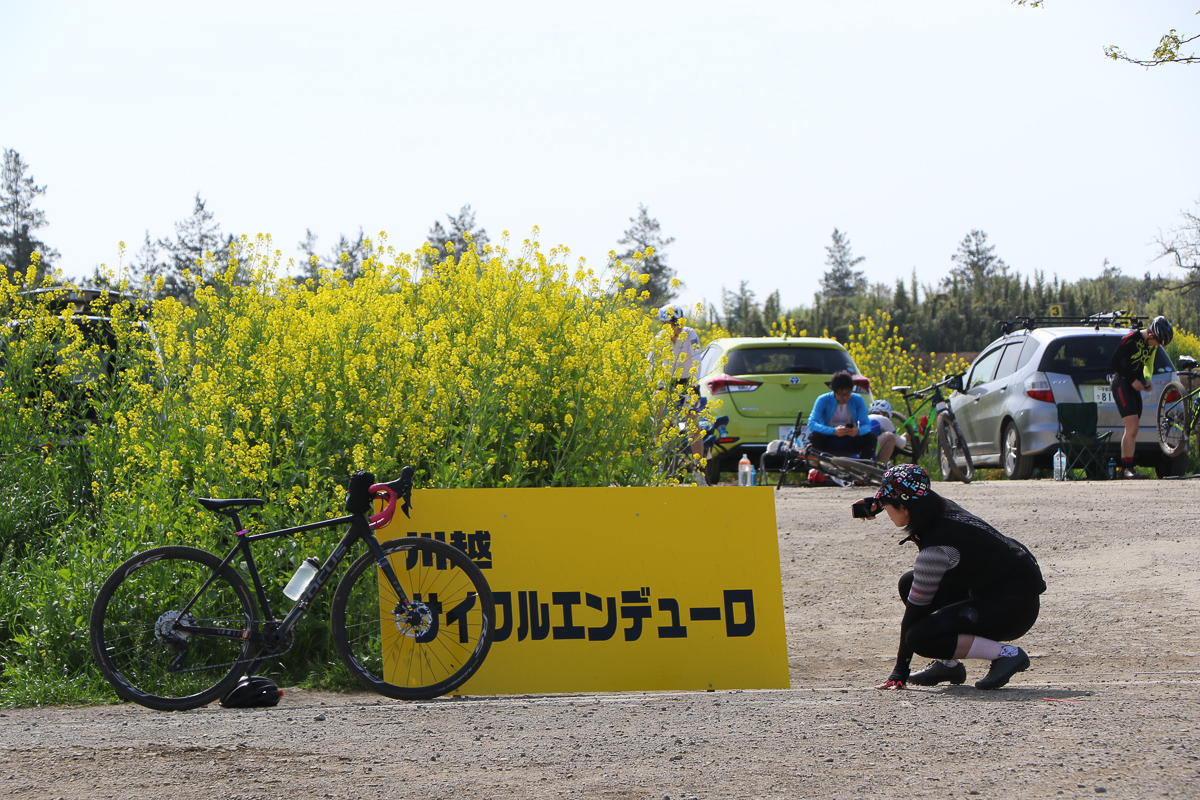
957, 313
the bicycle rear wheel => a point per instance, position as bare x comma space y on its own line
954, 457
428, 649
136, 628
1172, 420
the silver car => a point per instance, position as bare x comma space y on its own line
1008, 407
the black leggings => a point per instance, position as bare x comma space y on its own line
861, 446
1001, 619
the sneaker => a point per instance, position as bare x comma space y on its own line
937, 672
1003, 669
1128, 473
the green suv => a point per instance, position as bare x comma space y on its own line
762, 384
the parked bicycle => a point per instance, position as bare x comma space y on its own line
175, 627
1178, 410
954, 457
800, 456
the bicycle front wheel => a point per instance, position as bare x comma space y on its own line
1172, 420
861, 470
954, 457
171, 630
432, 646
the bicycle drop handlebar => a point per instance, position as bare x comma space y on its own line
391, 492
922, 392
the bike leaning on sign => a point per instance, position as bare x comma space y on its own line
176, 627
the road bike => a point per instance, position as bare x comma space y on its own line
175, 627
954, 457
800, 456
1178, 410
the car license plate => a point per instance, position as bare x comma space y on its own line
1102, 394
785, 431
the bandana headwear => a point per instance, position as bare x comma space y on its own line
904, 482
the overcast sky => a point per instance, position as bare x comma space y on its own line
751, 129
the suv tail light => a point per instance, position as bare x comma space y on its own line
1038, 387
724, 384
862, 384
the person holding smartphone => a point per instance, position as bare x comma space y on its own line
971, 589
839, 423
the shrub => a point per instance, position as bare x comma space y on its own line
483, 370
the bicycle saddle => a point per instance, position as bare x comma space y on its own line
213, 504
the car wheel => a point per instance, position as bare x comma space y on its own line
1017, 465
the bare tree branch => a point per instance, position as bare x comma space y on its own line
1182, 245
1167, 51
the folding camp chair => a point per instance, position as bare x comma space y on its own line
1083, 447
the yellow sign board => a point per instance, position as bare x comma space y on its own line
619, 589
1056, 310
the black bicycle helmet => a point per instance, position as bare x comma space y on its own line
1161, 329
252, 691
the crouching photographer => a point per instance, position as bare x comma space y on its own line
970, 589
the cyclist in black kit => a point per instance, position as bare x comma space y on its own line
1133, 365
970, 589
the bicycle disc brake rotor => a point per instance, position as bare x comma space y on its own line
165, 628
415, 621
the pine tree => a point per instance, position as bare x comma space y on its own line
345, 257
841, 280
743, 317
19, 220
647, 233
460, 227
195, 236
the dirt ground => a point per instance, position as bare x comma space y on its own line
1108, 707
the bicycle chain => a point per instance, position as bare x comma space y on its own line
291, 641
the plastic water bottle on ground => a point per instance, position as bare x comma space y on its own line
1060, 465
744, 468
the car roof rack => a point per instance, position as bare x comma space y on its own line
81, 300
1111, 319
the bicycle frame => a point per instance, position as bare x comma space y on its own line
277, 630
931, 396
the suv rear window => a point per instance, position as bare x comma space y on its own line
788, 361
1089, 356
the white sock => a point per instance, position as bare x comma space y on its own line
1008, 651
985, 649
949, 662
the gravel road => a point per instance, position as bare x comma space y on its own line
1108, 707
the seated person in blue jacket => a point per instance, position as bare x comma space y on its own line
838, 423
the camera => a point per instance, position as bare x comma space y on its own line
867, 507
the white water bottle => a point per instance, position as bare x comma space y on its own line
744, 471
301, 579
1060, 465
